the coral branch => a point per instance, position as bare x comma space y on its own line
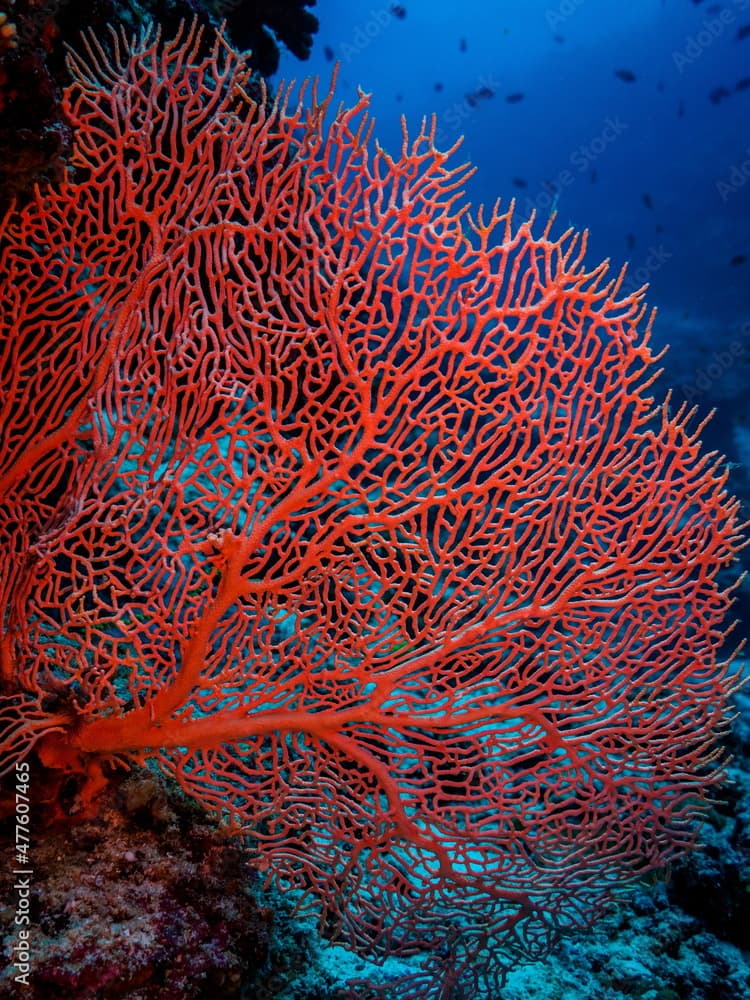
352, 512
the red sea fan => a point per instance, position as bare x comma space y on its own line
353, 513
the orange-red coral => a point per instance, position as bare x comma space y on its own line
352, 512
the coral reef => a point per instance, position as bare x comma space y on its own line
355, 514
260, 26
682, 935
149, 901
410, 576
34, 135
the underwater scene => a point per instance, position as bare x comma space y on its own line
374, 500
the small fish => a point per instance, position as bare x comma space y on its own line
520, 182
625, 74
328, 53
485, 91
462, 46
738, 259
560, 39
743, 32
398, 10
630, 240
438, 86
515, 97
593, 176
718, 94
471, 100
647, 201
743, 83
680, 109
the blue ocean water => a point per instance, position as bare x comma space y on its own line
631, 119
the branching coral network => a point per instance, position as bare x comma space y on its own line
353, 513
